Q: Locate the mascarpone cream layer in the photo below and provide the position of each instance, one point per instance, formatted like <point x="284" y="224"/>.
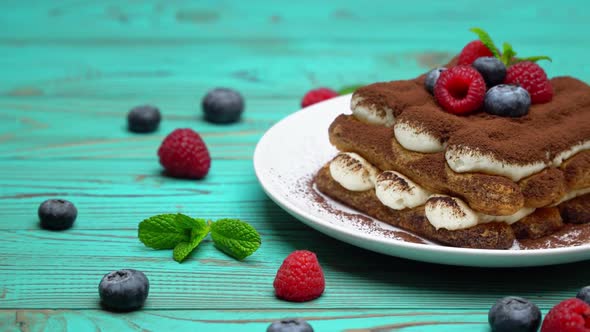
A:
<point x="353" y="172"/>
<point x="398" y="192"/>
<point x="461" y="159"/>
<point x="452" y="213"/>
<point x="370" y="113"/>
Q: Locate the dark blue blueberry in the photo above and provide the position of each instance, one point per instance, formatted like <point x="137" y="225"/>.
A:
<point x="507" y="100"/>
<point x="143" y="119"/>
<point x="431" y="78"/>
<point x="514" y="314"/>
<point x="290" y="325"/>
<point x="584" y="294"/>
<point x="57" y="214"/>
<point x="123" y="290"/>
<point x="223" y="105"/>
<point x="492" y="70"/>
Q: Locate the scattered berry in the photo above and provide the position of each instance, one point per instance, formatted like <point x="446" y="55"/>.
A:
<point x="57" y="214"/>
<point x="223" y="105"/>
<point x="507" y="100"/>
<point x="584" y="294"/>
<point x="290" y="325"/>
<point x="491" y="69"/>
<point x="143" y="119"/>
<point x="514" y="314"/>
<point x="123" y="290"/>
<point x="571" y="315"/>
<point x="317" y="95"/>
<point x="533" y="78"/>
<point x="432" y="77"/>
<point x="472" y="51"/>
<point x="300" y="278"/>
<point x="460" y="90"/>
<point x="184" y="154"/>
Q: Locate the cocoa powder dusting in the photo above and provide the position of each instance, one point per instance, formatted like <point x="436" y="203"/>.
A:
<point x="308" y="187"/>
<point x="394" y="181"/>
<point x="450" y="203"/>
<point x="545" y="131"/>
<point x="570" y="235"/>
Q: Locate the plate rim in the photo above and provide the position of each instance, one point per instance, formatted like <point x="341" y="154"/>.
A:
<point x="315" y="221"/>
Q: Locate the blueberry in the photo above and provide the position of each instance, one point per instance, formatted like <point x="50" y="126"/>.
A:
<point x="123" y="290"/>
<point x="514" y="314"/>
<point x="507" y="100"/>
<point x="584" y="294"/>
<point x="290" y="325"/>
<point x="223" y="105"/>
<point x="143" y="119"/>
<point x="57" y="214"/>
<point x="492" y="70"/>
<point x="431" y="78"/>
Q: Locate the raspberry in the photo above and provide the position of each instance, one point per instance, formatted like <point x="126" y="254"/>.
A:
<point x="472" y="51"/>
<point x="300" y="278"/>
<point x="532" y="78"/>
<point x="184" y="154"/>
<point x="460" y="90"/>
<point x="317" y="95"/>
<point x="571" y="315"/>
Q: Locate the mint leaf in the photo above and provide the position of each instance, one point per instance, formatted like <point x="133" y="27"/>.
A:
<point x="165" y="231"/>
<point x="535" y="58"/>
<point x="349" y="89"/>
<point x="198" y="233"/>
<point x="235" y="237"/>
<point x="508" y="54"/>
<point x="486" y="40"/>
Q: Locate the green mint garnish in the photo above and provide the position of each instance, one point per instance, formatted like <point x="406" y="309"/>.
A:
<point x="486" y="40"/>
<point x="198" y="233"/>
<point x="349" y="89"/>
<point x="184" y="234"/>
<point x="535" y="58"/>
<point x="165" y="231"/>
<point x="235" y="237"/>
<point x="508" y="56"/>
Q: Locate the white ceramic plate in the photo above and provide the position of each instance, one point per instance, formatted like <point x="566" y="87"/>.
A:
<point x="292" y="151"/>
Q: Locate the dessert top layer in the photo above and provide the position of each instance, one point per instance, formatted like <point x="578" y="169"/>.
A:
<point x="547" y="131"/>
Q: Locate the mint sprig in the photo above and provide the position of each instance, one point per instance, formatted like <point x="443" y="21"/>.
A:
<point x="184" y="234"/>
<point x="185" y="248"/>
<point x="235" y="237"/>
<point x="535" y="58"/>
<point x="165" y="231"/>
<point x="508" y="56"/>
<point x="485" y="38"/>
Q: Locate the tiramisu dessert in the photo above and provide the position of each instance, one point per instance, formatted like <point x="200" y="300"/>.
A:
<point x="475" y="154"/>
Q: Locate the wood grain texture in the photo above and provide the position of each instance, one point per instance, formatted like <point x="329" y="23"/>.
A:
<point x="244" y="320"/>
<point x="72" y="69"/>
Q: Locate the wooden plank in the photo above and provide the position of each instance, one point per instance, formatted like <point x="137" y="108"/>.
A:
<point x="244" y="320"/>
<point x="52" y="22"/>
<point x="61" y="270"/>
<point x="132" y="189"/>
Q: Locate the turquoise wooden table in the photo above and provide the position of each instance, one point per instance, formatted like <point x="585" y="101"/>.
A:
<point x="72" y="69"/>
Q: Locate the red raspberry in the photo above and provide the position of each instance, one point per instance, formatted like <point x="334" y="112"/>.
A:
<point x="317" y="95"/>
<point x="472" y="51"/>
<point x="532" y="78"/>
<point x="184" y="154"/>
<point x="460" y="90"/>
<point x="300" y="278"/>
<point x="571" y="315"/>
